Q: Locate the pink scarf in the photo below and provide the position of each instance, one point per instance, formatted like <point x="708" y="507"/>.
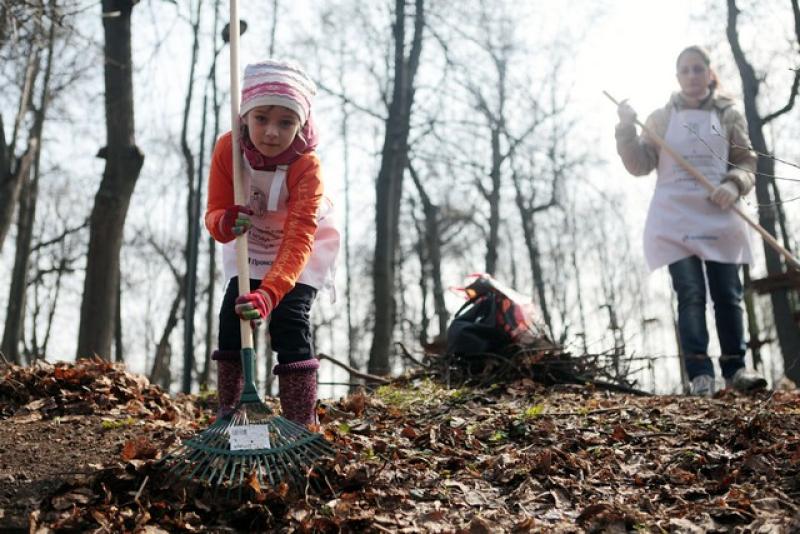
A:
<point x="302" y="144"/>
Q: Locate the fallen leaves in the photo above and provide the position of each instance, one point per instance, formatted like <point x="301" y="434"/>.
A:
<point x="87" y="387"/>
<point x="139" y="448"/>
<point x="419" y="457"/>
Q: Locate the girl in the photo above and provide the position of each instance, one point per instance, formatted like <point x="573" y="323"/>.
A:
<point x="292" y="239"/>
<point x="687" y="229"/>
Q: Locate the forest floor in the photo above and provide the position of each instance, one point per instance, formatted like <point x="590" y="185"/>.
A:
<point x="78" y="444"/>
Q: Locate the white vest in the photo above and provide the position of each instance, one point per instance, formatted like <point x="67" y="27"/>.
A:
<point x="267" y="198"/>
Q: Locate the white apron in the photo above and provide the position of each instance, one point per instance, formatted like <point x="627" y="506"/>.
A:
<point x="267" y="198"/>
<point x="682" y="221"/>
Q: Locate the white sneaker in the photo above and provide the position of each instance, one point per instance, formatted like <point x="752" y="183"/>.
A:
<point x="702" y="386"/>
<point x="745" y="380"/>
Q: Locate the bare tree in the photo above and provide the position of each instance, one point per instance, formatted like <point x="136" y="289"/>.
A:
<point x="347" y="230"/>
<point x="216" y="105"/>
<point x="161" y="371"/>
<point x="528" y="208"/>
<point x="572" y="232"/>
<point x="498" y="101"/>
<point x="14" y="169"/>
<point x="194" y="182"/>
<point x="124" y="161"/>
<point x="389" y="184"/>
<point x="549" y="165"/>
<point x="52" y="261"/>
<point x="27" y="212"/>
<point x="785" y="323"/>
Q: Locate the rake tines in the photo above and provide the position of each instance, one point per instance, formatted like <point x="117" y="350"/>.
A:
<point x="252" y="445"/>
<point x="210" y="459"/>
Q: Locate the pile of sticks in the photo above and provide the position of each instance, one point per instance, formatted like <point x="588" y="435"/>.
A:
<point x="544" y="363"/>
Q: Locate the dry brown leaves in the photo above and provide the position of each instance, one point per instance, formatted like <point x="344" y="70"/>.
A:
<point x="89" y="386"/>
<point x="516" y="457"/>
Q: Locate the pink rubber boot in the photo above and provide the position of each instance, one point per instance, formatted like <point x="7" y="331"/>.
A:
<point x="230" y="381"/>
<point x="297" y="389"/>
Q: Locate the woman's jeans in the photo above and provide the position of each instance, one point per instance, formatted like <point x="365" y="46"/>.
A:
<point x="726" y="292"/>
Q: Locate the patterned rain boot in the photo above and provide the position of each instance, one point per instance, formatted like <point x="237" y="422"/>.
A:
<point x="297" y="389"/>
<point x="230" y="380"/>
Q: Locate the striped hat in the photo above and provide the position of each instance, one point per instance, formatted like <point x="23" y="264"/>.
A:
<point x="277" y="83"/>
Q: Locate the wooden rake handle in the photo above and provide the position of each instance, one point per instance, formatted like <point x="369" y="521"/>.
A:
<point x="691" y="169"/>
<point x="242" y="265"/>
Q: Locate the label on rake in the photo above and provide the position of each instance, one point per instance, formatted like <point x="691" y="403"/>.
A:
<point x="249" y="437"/>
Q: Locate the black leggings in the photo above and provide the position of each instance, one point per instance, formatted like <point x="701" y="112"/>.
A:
<point x="289" y="323"/>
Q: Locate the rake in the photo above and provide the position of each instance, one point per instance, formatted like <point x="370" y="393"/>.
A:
<point x="253" y="444"/>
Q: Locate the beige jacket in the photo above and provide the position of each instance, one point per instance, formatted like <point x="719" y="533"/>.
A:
<point x="640" y="153"/>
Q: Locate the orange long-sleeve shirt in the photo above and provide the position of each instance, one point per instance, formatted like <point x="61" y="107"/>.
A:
<point x="305" y="188"/>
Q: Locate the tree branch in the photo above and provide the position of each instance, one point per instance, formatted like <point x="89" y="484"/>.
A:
<point x="63" y="235"/>
<point x="166" y="257"/>
<point x="354" y="372"/>
<point x="790" y="104"/>
<point x="404" y="351"/>
<point x="347" y="100"/>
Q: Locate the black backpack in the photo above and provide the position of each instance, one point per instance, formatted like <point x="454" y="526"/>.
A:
<point x="474" y="329"/>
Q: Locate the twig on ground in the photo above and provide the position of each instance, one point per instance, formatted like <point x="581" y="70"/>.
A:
<point x="354" y="372"/>
<point x="141" y="488"/>
<point x="590" y="412"/>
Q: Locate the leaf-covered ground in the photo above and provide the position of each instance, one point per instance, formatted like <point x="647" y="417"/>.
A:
<point x="79" y="442"/>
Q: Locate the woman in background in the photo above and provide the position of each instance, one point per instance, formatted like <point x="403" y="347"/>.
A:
<point x="695" y="234"/>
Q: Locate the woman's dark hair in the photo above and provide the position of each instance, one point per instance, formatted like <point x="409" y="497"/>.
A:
<point x="706" y="57"/>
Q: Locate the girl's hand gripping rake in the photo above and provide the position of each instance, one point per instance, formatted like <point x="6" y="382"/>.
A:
<point x="253" y="442"/>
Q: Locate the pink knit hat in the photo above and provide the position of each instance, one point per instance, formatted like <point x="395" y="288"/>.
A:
<point x="277" y="83"/>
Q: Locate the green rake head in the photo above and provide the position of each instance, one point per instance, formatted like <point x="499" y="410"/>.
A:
<point x="253" y="444"/>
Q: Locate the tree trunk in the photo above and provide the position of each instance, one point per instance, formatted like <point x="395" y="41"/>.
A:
<point x="433" y="253"/>
<point x="537" y="274"/>
<point x="15" y="310"/>
<point x="14" y="171"/>
<point x="753" y="329"/>
<point x="348" y="263"/>
<point x="212" y="245"/>
<point x="493" y="243"/>
<point x="161" y="373"/>
<point x="527" y="212"/>
<point x="62" y="269"/>
<point x="204" y="373"/>
<point x="205" y="377"/>
<point x="532" y="244"/>
<point x="119" y="354"/>
<point x="785" y="324"/>
<point x="194" y="182"/>
<point x="123" y="163"/>
<point x="389" y="185"/>
<point x="573" y="231"/>
<point x="12" y="332"/>
<point x="424" y="321"/>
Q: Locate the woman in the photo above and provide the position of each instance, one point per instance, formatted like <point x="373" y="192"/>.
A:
<point x="690" y="230"/>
